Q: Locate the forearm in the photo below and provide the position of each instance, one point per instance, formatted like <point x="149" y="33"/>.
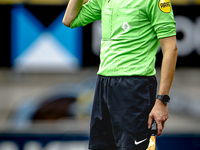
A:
<point x="170" y="53"/>
<point x="73" y="9"/>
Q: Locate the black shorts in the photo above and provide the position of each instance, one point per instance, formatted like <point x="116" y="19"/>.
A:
<point x="120" y="112"/>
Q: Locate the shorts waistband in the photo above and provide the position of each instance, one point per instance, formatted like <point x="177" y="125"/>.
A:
<point x="136" y="76"/>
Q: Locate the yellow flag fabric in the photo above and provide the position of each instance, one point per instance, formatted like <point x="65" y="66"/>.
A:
<point x="152" y="143"/>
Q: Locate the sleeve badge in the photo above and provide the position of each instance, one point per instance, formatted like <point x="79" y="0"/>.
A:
<point x="165" y="6"/>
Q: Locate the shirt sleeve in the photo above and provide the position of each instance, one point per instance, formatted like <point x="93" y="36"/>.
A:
<point x="90" y="12"/>
<point x="161" y="16"/>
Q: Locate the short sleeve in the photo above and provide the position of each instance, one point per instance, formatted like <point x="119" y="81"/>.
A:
<point x="161" y="16"/>
<point x="90" y="12"/>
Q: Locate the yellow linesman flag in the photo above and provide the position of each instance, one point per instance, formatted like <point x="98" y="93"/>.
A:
<point x="152" y="143"/>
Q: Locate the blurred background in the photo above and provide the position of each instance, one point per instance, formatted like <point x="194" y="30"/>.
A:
<point x="48" y="73"/>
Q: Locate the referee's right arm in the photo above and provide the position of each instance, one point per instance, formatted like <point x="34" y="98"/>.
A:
<point x="72" y="11"/>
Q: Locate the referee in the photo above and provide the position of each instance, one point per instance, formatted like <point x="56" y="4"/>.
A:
<point x="125" y="101"/>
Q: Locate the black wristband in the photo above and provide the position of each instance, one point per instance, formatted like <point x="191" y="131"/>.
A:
<point x="164" y="98"/>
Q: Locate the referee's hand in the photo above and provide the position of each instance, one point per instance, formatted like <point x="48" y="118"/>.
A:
<point x="160" y="114"/>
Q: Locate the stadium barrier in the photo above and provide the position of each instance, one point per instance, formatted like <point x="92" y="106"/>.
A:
<point x="30" y="141"/>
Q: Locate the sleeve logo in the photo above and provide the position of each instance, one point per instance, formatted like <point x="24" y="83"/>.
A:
<point x="165" y="6"/>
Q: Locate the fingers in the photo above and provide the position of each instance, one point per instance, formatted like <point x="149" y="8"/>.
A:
<point x="159" y="127"/>
<point x="160" y="124"/>
<point x="150" y="121"/>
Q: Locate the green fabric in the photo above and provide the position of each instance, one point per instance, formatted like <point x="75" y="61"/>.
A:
<point x="130" y="33"/>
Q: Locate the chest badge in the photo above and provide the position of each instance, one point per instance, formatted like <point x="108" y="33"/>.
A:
<point x="165" y="6"/>
<point x="126" y="26"/>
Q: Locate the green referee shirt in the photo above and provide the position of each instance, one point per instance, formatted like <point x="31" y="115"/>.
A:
<point x="130" y="33"/>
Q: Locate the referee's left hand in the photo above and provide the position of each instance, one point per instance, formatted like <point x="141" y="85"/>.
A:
<point x="160" y="114"/>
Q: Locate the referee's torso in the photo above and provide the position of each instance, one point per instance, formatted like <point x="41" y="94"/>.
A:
<point x="129" y="40"/>
<point x="131" y="30"/>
